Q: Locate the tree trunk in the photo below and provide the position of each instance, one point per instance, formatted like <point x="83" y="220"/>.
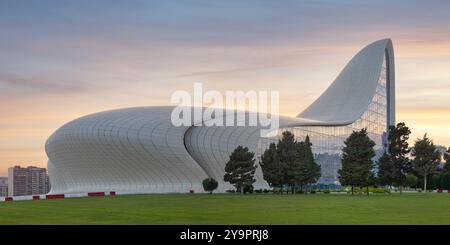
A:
<point x="400" y="188"/>
<point x="367" y="189"/>
<point x="242" y="190"/>
<point x="425" y="183"/>
<point x="352" y="190"/>
<point x="360" y="190"/>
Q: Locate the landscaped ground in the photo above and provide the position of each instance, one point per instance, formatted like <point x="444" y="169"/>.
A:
<point x="428" y="208"/>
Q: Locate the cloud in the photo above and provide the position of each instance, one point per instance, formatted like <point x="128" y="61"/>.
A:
<point x="18" y="82"/>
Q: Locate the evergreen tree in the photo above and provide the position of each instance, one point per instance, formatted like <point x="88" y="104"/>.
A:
<point x="272" y="172"/>
<point x="357" y="157"/>
<point x="210" y="184"/>
<point x="290" y="163"/>
<point x="447" y="161"/>
<point x="240" y="169"/>
<point x="426" y="158"/>
<point x="398" y="151"/>
<point x="386" y="171"/>
<point x="314" y="169"/>
<point x="297" y="171"/>
<point x="287" y="157"/>
<point x="445" y="181"/>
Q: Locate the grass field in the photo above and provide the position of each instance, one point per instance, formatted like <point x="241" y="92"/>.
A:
<point x="232" y="209"/>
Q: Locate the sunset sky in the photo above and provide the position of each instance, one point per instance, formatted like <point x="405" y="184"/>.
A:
<point x="63" y="59"/>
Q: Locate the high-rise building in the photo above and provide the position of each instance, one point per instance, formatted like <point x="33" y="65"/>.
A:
<point x="27" y="181"/>
<point x="3" y="186"/>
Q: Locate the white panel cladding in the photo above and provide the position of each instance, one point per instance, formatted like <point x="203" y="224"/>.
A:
<point x="134" y="150"/>
<point x="349" y="96"/>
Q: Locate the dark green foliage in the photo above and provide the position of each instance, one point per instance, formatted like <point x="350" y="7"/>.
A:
<point x="398" y="151"/>
<point x="386" y="170"/>
<point x="272" y="169"/>
<point x="357" y="157"/>
<point x="290" y="163"/>
<point x="210" y="184"/>
<point x="313" y="168"/>
<point x="445" y="181"/>
<point x="426" y="158"/>
<point x="434" y="182"/>
<point x="447" y="161"/>
<point x="240" y="169"/>
<point x="411" y="180"/>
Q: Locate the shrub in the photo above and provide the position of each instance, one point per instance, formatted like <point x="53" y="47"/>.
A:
<point x="326" y="191"/>
<point x="312" y="192"/>
<point x="230" y="191"/>
<point x="209" y="185"/>
<point x="259" y="191"/>
<point x="248" y="189"/>
<point x="300" y="192"/>
<point x="266" y="191"/>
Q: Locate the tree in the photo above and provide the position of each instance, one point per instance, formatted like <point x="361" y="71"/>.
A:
<point x="290" y="163"/>
<point x="270" y="164"/>
<point x="287" y="150"/>
<point x="411" y="180"/>
<point x="210" y="184"/>
<point x="426" y="158"/>
<point x="357" y="157"/>
<point x="313" y="169"/>
<point x="398" y="151"/>
<point x="447" y="161"/>
<point x="240" y="169"/>
<point x="445" y="181"/>
<point x="386" y="171"/>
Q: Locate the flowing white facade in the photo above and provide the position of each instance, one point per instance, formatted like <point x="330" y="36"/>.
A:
<point x="138" y="150"/>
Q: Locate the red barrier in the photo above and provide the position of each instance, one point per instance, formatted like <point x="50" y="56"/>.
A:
<point x="54" y="196"/>
<point x="439" y="191"/>
<point x="112" y="193"/>
<point x="8" y="199"/>
<point x="36" y="198"/>
<point x="96" y="194"/>
<point x="448" y="191"/>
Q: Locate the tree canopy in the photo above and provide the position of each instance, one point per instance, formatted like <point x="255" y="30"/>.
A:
<point x="426" y="158"/>
<point x="240" y="169"/>
<point x="290" y="163"/>
<point x="357" y="157"/>
<point x="209" y="185"/>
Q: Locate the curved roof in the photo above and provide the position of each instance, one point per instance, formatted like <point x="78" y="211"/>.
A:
<point x="132" y="150"/>
<point x="349" y="96"/>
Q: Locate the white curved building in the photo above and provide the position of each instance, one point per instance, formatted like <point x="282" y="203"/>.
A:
<point x="138" y="150"/>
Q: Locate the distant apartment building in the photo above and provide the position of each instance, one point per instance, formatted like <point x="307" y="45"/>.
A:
<point x="3" y="186"/>
<point x="27" y="181"/>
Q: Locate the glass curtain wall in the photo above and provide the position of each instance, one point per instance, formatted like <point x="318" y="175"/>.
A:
<point x="328" y="141"/>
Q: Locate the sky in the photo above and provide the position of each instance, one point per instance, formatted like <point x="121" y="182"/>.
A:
<point x="60" y="60"/>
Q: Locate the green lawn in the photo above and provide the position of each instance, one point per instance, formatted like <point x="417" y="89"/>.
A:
<point x="233" y="209"/>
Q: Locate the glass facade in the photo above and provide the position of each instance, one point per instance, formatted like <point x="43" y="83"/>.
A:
<point x="328" y="141"/>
